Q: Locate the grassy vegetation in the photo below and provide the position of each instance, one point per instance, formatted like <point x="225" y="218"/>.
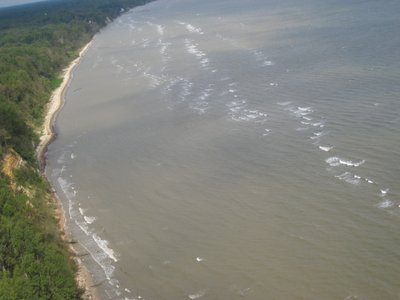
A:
<point x="36" y="43"/>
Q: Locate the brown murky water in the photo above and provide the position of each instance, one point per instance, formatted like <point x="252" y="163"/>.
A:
<point x="237" y="149"/>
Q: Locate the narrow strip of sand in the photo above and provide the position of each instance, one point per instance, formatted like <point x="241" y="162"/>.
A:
<point x="83" y="277"/>
<point x="53" y="107"/>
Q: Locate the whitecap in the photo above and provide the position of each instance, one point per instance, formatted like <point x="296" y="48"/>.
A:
<point x="336" y="161"/>
<point x="197" y="295"/>
<point x="325" y="148"/>
<point x="304" y="108"/>
<point x="384" y="192"/>
<point x="318" y="124"/>
<point x="267" y="132"/>
<point x="199" y="259"/>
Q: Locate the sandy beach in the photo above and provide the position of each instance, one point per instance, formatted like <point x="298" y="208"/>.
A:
<point x="53" y="107"/>
<point x="83" y="277"/>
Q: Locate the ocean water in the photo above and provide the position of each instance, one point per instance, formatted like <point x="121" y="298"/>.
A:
<point x="237" y="150"/>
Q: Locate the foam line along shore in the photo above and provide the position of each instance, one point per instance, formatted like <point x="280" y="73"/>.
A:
<point x="48" y="135"/>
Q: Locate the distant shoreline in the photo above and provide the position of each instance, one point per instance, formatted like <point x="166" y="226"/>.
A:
<point x="48" y="135"/>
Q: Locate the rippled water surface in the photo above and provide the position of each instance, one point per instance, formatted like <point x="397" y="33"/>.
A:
<point x="234" y="149"/>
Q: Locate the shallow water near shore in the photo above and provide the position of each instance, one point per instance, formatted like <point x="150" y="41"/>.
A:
<point x="229" y="150"/>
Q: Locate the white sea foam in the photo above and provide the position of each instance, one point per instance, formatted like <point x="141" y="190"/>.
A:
<point x="197" y="295"/>
<point x="66" y="187"/>
<point x="240" y="114"/>
<point x="238" y="103"/>
<point x="320" y="124"/>
<point x="267" y="132"/>
<point x="349" y="178"/>
<point x="83" y="226"/>
<point x="89" y="220"/>
<point x="100" y="257"/>
<point x="333" y="161"/>
<point x="103" y="244"/>
<point x="286" y="103"/>
<point x="325" y="148"/>
<point x="385" y="204"/>
<point x="305" y="108"/>
<point x="300" y="112"/>
<point x="336" y="161"/>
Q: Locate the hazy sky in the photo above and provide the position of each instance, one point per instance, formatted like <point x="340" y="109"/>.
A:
<point x="4" y="3"/>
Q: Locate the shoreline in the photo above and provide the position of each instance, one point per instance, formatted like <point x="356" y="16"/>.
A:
<point x="48" y="134"/>
<point x="53" y="107"/>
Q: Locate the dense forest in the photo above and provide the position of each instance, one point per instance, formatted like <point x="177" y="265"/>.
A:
<point x="36" y="42"/>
